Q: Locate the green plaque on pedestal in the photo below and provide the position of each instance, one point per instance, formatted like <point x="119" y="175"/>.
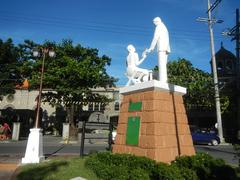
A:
<point x="132" y="136"/>
<point x="135" y="106"/>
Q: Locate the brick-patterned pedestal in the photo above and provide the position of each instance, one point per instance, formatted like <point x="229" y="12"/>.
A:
<point x="164" y="132"/>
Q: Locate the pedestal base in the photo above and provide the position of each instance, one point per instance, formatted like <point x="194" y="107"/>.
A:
<point x="34" y="150"/>
<point x="16" y="131"/>
<point x="153" y="122"/>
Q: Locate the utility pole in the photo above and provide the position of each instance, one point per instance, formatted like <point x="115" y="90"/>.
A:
<point x="234" y="32"/>
<point x="214" y="67"/>
<point x="237" y="38"/>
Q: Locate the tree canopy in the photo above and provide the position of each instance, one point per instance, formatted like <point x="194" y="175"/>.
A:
<point x="9" y="67"/>
<point x="69" y="77"/>
<point x="199" y="84"/>
<point x="71" y="74"/>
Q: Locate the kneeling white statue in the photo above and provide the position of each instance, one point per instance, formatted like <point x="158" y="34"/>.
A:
<point x="134" y="73"/>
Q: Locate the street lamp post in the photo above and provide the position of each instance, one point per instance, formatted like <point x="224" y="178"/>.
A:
<point x="34" y="150"/>
<point x="44" y="52"/>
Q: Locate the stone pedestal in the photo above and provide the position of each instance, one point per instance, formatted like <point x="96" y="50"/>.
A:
<point x="153" y="122"/>
<point x="16" y="131"/>
<point x="34" y="150"/>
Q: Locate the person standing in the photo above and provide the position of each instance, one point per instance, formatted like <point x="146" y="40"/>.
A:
<point x="6" y="130"/>
<point x="161" y="42"/>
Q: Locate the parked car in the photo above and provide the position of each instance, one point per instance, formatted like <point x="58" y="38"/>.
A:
<point x="114" y="134"/>
<point x="205" y="137"/>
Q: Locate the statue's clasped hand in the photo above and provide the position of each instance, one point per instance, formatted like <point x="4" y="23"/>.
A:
<point x="144" y="54"/>
<point x="148" y="50"/>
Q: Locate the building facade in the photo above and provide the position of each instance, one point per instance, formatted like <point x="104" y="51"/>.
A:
<point x="21" y="107"/>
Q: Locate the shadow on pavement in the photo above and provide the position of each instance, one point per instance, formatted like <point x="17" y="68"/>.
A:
<point x="219" y="150"/>
<point x="39" y="172"/>
<point x="53" y="153"/>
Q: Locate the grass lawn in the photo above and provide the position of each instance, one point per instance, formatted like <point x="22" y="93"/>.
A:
<point x="58" y="168"/>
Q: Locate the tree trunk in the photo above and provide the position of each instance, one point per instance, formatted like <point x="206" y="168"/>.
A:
<point x="73" y="130"/>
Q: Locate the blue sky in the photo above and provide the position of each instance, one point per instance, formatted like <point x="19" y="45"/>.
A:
<point x="110" y="25"/>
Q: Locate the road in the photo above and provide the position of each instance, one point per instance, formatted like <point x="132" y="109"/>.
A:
<point x="51" y="146"/>
<point x="52" y="149"/>
<point x="54" y="146"/>
<point x="224" y="152"/>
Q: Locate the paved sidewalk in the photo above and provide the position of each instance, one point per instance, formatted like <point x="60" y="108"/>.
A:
<point x="10" y="161"/>
<point x="8" y="166"/>
<point x="7" y="171"/>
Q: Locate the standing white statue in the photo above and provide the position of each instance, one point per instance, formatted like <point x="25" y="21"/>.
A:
<point x="161" y="40"/>
<point x="134" y="73"/>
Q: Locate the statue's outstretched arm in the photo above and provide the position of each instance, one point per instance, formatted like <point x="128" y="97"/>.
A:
<point x="154" y="41"/>
<point x="144" y="55"/>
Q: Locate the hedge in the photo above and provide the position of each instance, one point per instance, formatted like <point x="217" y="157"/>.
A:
<point x="206" y="167"/>
<point x="110" y="166"/>
<point x="201" y="166"/>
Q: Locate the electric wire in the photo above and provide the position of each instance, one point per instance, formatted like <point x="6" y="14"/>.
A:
<point x="100" y="26"/>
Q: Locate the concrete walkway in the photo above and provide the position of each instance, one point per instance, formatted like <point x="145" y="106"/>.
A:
<point x="8" y="167"/>
<point x="7" y="171"/>
<point x="9" y="163"/>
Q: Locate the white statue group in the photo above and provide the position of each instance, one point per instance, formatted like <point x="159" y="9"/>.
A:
<point x="161" y="42"/>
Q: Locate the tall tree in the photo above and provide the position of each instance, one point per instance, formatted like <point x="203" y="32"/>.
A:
<point x="197" y="82"/>
<point x="71" y="75"/>
<point x="199" y="85"/>
<point x="9" y="67"/>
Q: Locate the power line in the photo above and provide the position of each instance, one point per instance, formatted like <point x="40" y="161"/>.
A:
<point x="107" y="27"/>
<point x="214" y="5"/>
<point x="187" y="35"/>
<point x="37" y="18"/>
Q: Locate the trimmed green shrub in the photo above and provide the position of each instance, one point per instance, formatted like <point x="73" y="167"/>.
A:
<point x="139" y="174"/>
<point x="222" y="172"/>
<point x="206" y="167"/>
<point x="202" y="166"/>
<point x="120" y="166"/>
<point x="186" y="173"/>
<point x="198" y="163"/>
<point x="165" y="171"/>
<point x="126" y="160"/>
<point x="126" y="166"/>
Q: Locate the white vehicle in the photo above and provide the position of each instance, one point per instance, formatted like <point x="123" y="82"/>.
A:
<point x="114" y="134"/>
